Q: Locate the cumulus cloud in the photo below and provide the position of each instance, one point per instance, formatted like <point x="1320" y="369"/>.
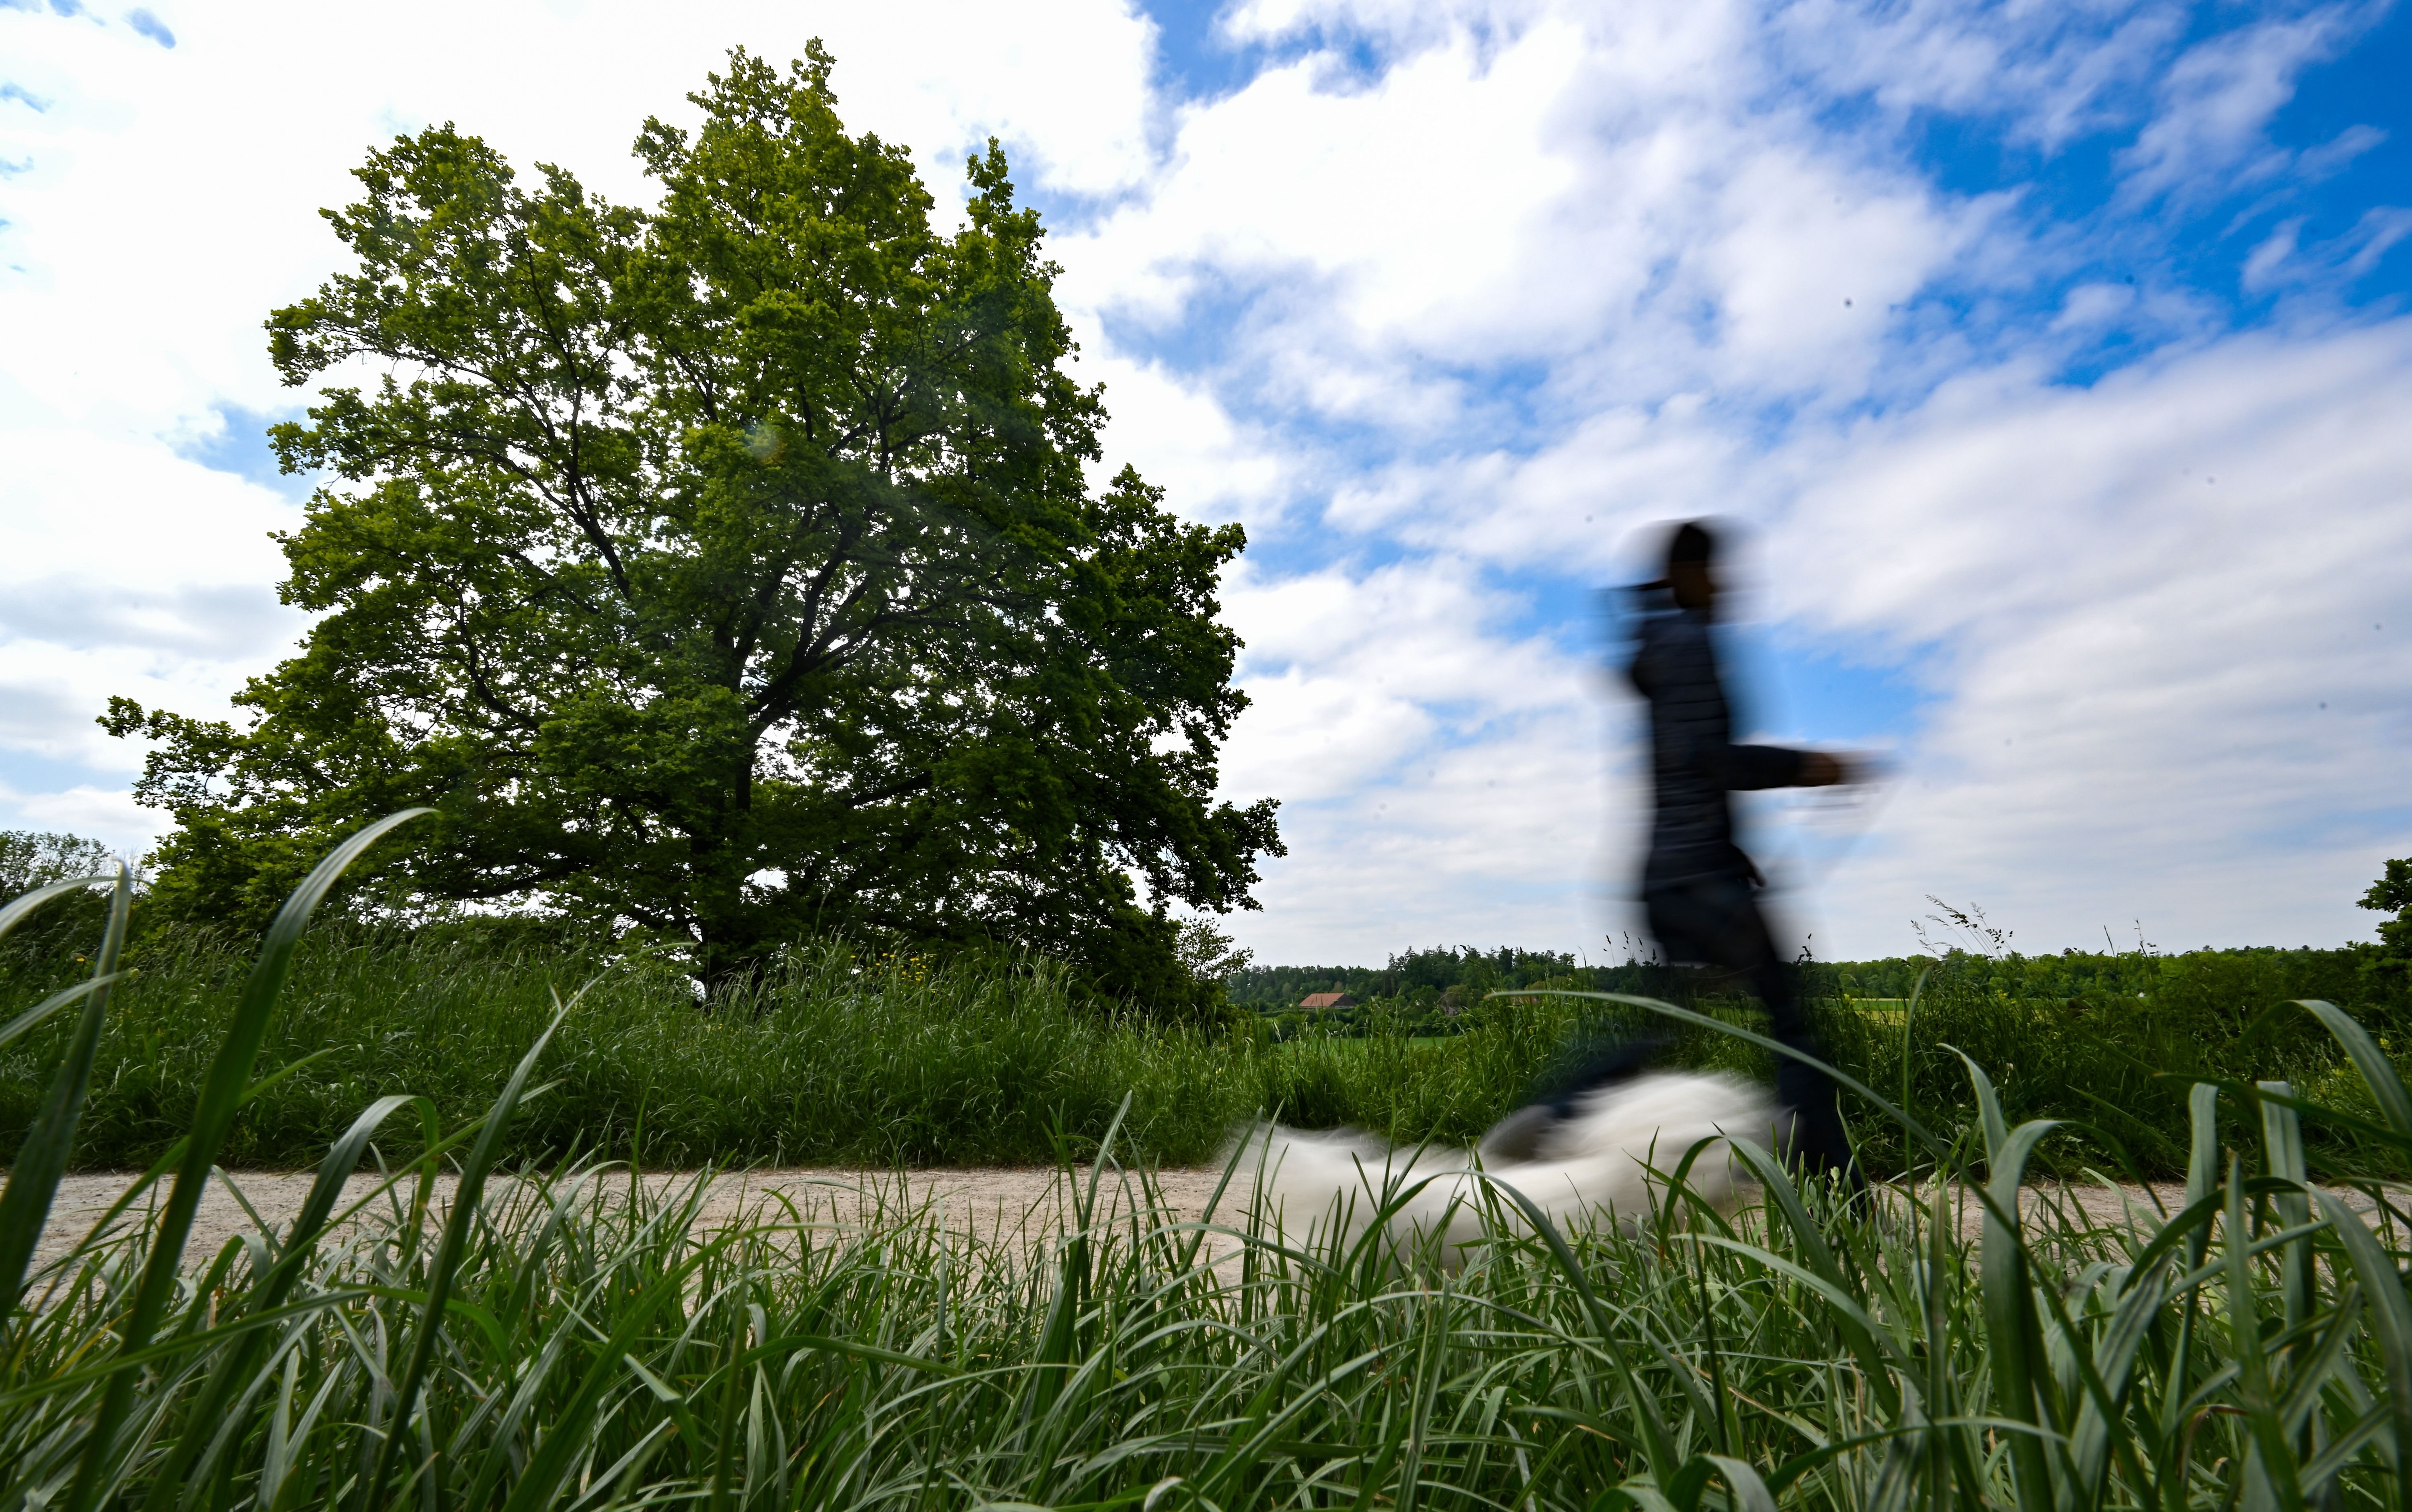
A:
<point x="2211" y="130"/>
<point x="108" y="814"/>
<point x="1440" y="772"/>
<point x="151" y="26"/>
<point x="167" y="199"/>
<point x="2174" y="638"/>
<point x="1180" y="437"/>
<point x="2051" y="73"/>
<point x="1446" y="302"/>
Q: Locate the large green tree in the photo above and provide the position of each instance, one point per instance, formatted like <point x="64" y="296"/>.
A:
<point x="2390" y="959"/>
<point x="727" y="570"/>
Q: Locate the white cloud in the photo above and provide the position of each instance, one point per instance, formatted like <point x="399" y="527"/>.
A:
<point x="107" y="814"/>
<point x="2056" y="72"/>
<point x="1182" y="440"/>
<point x="169" y="198"/>
<point x="2211" y="129"/>
<point x="1444" y="332"/>
<point x="1440" y="772"/>
<point x="2161" y="603"/>
<point x="2282" y="262"/>
<point x="1408" y="206"/>
<point x="1606" y="208"/>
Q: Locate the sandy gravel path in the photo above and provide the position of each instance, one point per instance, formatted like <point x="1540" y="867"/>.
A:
<point x="994" y="1205"/>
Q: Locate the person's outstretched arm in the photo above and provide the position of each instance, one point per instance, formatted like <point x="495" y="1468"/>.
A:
<point x="1678" y="672"/>
<point x="1746" y="768"/>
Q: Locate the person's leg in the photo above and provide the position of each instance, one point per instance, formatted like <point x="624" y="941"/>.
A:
<point x="1718" y="922"/>
<point x="1819" y="1144"/>
<point x="1587" y="1063"/>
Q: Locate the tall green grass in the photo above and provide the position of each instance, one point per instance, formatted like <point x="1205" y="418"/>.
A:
<point x="834" y="1057"/>
<point x="830" y="1057"/>
<point x="2117" y="1073"/>
<point x="579" y="1339"/>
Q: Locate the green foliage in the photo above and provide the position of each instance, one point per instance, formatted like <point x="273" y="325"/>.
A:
<point x="32" y="858"/>
<point x="2391" y="959"/>
<point x="2107" y="1044"/>
<point x="727" y="569"/>
<point x="838" y="1053"/>
<point x="578" y="1337"/>
<point x="1420" y="976"/>
<point x="828" y="1056"/>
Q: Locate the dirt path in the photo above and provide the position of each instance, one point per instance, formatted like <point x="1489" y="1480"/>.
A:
<point x="994" y="1205"/>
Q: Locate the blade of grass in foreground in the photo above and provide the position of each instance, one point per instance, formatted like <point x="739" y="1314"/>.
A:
<point x="234" y="1368"/>
<point x="40" y="1014"/>
<point x="467" y="1197"/>
<point x="2376" y="1071"/>
<point x="222" y="1096"/>
<point x="2391" y="1317"/>
<point x="34" y="1177"/>
<point x="20" y="907"/>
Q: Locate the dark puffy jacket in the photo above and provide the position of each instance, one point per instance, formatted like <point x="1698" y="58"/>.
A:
<point x="1693" y="760"/>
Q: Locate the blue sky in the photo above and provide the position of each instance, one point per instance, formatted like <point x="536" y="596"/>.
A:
<point x="2052" y="364"/>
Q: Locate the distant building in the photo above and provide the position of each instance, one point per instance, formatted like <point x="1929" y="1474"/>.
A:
<point x="1327" y="999"/>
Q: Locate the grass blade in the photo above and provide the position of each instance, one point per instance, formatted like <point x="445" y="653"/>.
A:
<point x="222" y="1095"/>
<point x="2267" y="1475"/>
<point x="2377" y="1072"/>
<point x="268" y="1292"/>
<point x="34" y="1017"/>
<point x="20" y="908"/>
<point x="2011" y="1325"/>
<point x="2390" y="1311"/>
<point x="42" y="1159"/>
<point x="1909" y="1017"/>
<point x="467" y="1194"/>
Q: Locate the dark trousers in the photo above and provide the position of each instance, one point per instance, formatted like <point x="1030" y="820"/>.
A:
<point x="1714" y="921"/>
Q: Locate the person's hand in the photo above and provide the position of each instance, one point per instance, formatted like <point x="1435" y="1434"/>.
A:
<point x="1848" y="768"/>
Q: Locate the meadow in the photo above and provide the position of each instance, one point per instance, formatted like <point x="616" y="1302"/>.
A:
<point x="844" y="1055"/>
<point x="577" y="1339"/>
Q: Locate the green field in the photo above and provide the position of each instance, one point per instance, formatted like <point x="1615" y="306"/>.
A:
<point x="839" y="1058"/>
<point x="575" y="1339"/>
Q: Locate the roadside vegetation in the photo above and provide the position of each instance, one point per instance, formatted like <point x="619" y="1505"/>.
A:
<point x="844" y="1052"/>
<point x="576" y="1339"/>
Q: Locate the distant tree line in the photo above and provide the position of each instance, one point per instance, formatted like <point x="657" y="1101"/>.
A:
<point x="1412" y="974"/>
<point x="1432" y="986"/>
<point x="2343" y="975"/>
<point x="2348" y="973"/>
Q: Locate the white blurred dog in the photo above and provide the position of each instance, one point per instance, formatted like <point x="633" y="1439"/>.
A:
<point x="1588" y="1163"/>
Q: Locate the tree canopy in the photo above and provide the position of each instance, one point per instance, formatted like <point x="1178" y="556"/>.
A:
<point x="726" y="568"/>
<point x="2392" y="894"/>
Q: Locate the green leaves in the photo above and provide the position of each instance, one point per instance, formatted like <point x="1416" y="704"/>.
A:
<point x="2392" y="894"/>
<point x="42" y="1158"/>
<point x="727" y="568"/>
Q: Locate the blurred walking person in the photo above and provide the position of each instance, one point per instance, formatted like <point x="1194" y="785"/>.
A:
<point x="1700" y="890"/>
